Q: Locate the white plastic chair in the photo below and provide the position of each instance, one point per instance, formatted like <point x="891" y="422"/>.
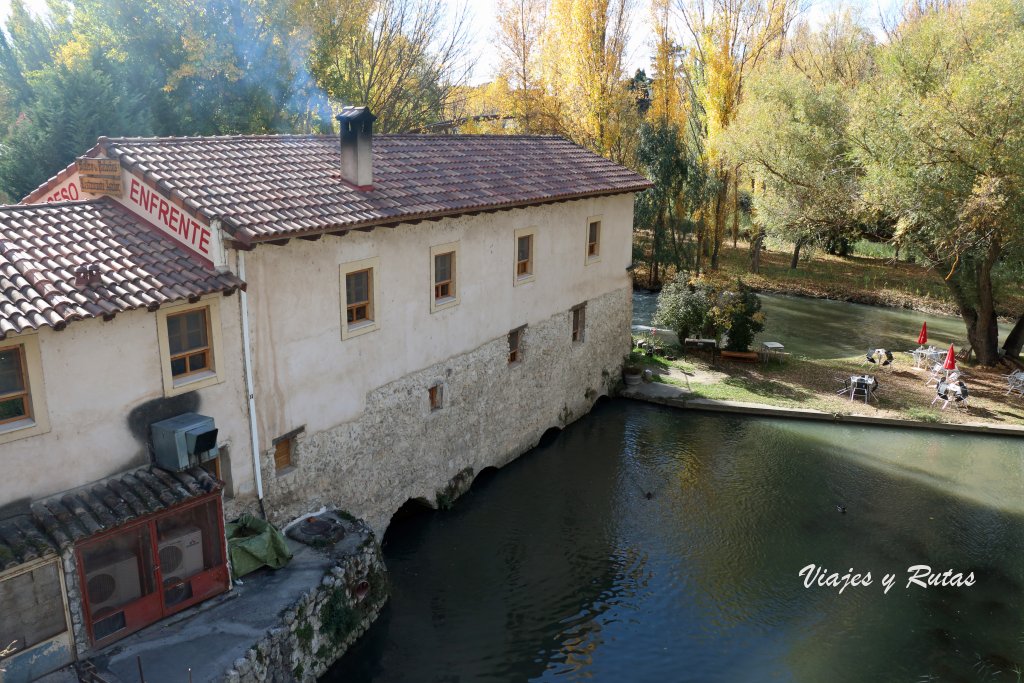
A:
<point x="938" y="375"/>
<point x="942" y="394"/>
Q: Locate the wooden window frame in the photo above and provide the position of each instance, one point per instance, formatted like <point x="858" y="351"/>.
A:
<point x="290" y="439"/>
<point x="206" y="350"/>
<point x="454" y="296"/>
<point x="435" y="396"/>
<point x="36" y="420"/>
<point x="520" y="274"/>
<point x="372" y="321"/>
<point x="213" y="374"/>
<point x="515" y="353"/>
<point x="579" y="323"/>
<point x="26" y="392"/>
<point x="592" y="249"/>
<point x="351" y="309"/>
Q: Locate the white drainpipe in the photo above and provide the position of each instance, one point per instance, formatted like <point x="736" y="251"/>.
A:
<point x="247" y="359"/>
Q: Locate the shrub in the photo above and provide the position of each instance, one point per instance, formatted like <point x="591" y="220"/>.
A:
<point x="744" y="317"/>
<point x="685" y="307"/>
<point x="694" y="308"/>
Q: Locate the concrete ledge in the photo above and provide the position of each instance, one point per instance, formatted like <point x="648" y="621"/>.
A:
<point x="677" y="397"/>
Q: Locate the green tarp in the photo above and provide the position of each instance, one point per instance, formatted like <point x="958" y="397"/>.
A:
<point x="254" y="543"/>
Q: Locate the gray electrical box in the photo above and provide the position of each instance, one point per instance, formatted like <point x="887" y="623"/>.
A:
<point x="184" y="441"/>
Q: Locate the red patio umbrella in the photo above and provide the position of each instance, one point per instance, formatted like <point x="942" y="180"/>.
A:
<point x="950" y="363"/>
<point x="922" y="338"/>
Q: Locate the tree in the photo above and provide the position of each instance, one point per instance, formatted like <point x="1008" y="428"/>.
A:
<point x="404" y="59"/>
<point x="583" y="63"/>
<point x="664" y="210"/>
<point x="519" y="33"/>
<point x="940" y="133"/>
<point x="791" y="137"/>
<point x="730" y="38"/>
<point x="75" y="106"/>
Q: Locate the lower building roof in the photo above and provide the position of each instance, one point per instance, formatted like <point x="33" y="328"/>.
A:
<point x="74" y="260"/>
<point x="57" y="522"/>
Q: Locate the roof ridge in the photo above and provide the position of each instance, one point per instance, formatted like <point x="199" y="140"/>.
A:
<point x="41" y="205"/>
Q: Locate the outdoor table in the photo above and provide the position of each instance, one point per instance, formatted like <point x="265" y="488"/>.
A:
<point x="771" y="349"/>
<point x="923" y="356"/>
<point x="1015" y="380"/>
<point x="867" y="382"/>
<point x="702" y="345"/>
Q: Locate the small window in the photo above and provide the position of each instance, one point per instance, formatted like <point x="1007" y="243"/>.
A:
<point x="22" y="394"/>
<point x="359" y="313"/>
<point x="358" y="296"/>
<point x="579" y="322"/>
<point x="524" y="256"/>
<point x="444" y="275"/>
<point x="188" y="340"/>
<point x="283" y="454"/>
<point x="525" y="244"/>
<point x="444" y="266"/>
<point x="15" y="399"/>
<point x="593" y="239"/>
<point x="436" y="396"/>
<point x="515" y="343"/>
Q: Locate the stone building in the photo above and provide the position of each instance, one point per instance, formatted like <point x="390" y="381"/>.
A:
<point x="349" y="323"/>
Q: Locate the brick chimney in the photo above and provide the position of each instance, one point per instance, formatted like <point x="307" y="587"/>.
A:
<point x="357" y="146"/>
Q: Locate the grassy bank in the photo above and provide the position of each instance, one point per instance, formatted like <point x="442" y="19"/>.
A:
<point x="860" y="279"/>
<point x="812" y="384"/>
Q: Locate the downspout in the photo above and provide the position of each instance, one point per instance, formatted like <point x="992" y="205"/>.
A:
<point x="247" y="361"/>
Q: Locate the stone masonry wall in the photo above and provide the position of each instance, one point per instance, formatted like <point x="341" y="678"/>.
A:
<point x="399" y="449"/>
<point x="318" y="629"/>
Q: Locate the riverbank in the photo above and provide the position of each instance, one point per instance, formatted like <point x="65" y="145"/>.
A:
<point x="812" y="384"/>
<point x="855" y="279"/>
<point x="679" y="397"/>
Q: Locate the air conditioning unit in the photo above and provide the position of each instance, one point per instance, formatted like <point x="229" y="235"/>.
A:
<point x="184" y="441"/>
<point x="113" y="584"/>
<point x="181" y="557"/>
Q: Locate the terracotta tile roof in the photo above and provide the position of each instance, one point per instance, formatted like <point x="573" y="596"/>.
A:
<point x="264" y="188"/>
<point x="58" y="521"/>
<point x="43" y="245"/>
<point x="80" y="513"/>
<point x="21" y="541"/>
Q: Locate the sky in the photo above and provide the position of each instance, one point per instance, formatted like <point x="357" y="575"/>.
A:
<point x="483" y="22"/>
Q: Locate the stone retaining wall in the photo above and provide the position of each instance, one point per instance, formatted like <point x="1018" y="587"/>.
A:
<point x="399" y="449"/>
<point x="317" y="630"/>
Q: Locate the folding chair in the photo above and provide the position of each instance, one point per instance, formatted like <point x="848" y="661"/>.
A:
<point x="887" y="363"/>
<point x="869" y="358"/>
<point x="960" y="397"/>
<point x="860" y="388"/>
<point x="942" y="394"/>
<point x="938" y="375"/>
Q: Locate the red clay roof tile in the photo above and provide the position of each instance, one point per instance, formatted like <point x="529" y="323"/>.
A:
<point x="41" y="245"/>
<point x="270" y="187"/>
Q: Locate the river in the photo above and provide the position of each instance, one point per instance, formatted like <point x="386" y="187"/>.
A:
<point x="562" y="567"/>
<point x="819" y="328"/>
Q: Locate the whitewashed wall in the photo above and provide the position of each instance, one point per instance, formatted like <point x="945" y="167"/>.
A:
<point x="95" y="374"/>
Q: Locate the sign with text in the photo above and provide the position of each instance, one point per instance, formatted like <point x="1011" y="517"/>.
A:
<point x="100" y="176"/>
<point x="69" y="190"/>
<point x="161" y="212"/>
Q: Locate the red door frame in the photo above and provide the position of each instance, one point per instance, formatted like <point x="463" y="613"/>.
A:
<point x="151" y="608"/>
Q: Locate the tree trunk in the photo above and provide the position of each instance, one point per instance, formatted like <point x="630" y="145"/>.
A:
<point x="735" y="207"/>
<point x="756" y="245"/>
<point x="980" y="317"/>
<point x="1015" y="340"/>
<point x="721" y="202"/>
<point x="796" y="253"/>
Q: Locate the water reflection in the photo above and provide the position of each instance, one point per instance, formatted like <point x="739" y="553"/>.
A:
<point x="818" y="328"/>
<point x="562" y="567"/>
